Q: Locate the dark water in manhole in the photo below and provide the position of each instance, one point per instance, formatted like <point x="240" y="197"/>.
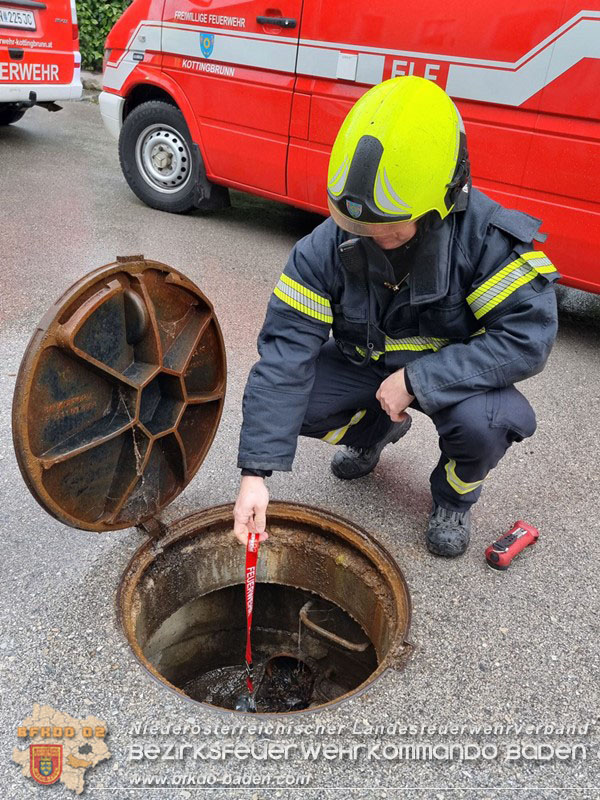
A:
<point x="200" y="649"/>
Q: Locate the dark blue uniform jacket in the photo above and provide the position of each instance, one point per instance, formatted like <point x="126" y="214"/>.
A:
<point x="477" y="312"/>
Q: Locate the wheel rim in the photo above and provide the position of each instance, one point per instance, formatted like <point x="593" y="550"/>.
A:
<point x="163" y="158"/>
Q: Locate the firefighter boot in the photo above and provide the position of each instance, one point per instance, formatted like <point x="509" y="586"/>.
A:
<point x="355" y="462"/>
<point x="448" y="532"/>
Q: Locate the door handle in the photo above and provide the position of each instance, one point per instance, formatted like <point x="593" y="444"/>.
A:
<point x="282" y="22"/>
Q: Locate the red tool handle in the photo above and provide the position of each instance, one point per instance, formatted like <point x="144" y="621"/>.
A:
<point x="251" y="559"/>
<point x="500" y="554"/>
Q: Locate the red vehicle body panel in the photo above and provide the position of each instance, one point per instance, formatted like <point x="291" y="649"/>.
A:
<point x="264" y="102"/>
<point x="44" y="59"/>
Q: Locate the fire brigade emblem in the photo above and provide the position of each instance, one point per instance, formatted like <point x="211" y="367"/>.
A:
<point x="207" y="42"/>
<point x="354" y="209"/>
<point x="45" y="762"/>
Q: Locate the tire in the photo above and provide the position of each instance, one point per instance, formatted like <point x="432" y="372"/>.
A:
<point x="10" y="112"/>
<point x="160" y="162"/>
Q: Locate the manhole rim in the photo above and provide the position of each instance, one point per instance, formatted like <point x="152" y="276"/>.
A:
<point x="188" y="527"/>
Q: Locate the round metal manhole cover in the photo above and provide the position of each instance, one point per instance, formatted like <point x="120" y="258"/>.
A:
<point x="119" y="395"/>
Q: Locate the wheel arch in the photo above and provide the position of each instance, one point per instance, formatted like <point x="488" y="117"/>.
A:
<point x="147" y="86"/>
<point x="142" y="93"/>
<point x="208" y="196"/>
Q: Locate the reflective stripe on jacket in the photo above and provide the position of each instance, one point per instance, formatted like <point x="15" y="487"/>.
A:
<point x="477" y="312"/>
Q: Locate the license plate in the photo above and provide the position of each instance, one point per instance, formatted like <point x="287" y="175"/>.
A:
<point x="15" y="18"/>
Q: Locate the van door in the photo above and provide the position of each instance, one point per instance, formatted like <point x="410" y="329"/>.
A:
<point x="460" y="46"/>
<point x="38" y="49"/>
<point x="562" y="180"/>
<point x="235" y="61"/>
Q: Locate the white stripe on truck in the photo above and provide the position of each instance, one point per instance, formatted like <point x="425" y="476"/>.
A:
<point x="510" y="86"/>
<point x="504" y="82"/>
<point x="239" y="50"/>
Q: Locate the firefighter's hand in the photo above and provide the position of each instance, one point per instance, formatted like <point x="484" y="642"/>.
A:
<point x="393" y="397"/>
<point x="250" y="511"/>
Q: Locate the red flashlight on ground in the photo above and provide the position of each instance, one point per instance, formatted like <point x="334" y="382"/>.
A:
<point x="500" y="554"/>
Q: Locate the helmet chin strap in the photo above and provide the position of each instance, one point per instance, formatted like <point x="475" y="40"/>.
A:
<point x="462" y="173"/>
<point x="353" y="258"/>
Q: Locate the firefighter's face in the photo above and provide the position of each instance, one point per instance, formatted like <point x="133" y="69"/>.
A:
<point x="401" y="234"/>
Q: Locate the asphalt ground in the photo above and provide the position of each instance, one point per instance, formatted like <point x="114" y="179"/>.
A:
<point x="501" y="649"/>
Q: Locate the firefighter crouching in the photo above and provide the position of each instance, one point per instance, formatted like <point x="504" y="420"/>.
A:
<point x="437" y="299"/>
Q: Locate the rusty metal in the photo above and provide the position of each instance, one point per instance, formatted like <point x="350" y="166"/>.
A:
<point x="164" y="597"/>
<point x="119" y="395"/>
<point x="333" y="637"/>
<point x="153" y="527"/>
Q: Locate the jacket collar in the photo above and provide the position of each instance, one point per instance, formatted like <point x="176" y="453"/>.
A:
<point x="430" y="271"/>
<point x="429" y="259"/>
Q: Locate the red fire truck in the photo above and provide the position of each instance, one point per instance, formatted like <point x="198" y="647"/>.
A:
<point x="39" y="56"/>
<point x="209" y="94"/>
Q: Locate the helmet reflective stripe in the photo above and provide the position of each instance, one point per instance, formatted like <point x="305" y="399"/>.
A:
<point x="338" y="181"/>
<point x="391" y="191"/>
<point x="363" y="185"/>
<point x="388" y="202"/>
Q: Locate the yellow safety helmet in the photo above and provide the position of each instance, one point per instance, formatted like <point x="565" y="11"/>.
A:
<point x="400" y="153"/>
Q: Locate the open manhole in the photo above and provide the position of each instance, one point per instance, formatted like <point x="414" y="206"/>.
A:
<point x="331" y="610"/>
<point x="117" y="402"/>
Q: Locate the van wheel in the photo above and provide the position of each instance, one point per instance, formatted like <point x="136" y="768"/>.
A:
<point x="160" y="162"/>
<point x="10" y="112"/>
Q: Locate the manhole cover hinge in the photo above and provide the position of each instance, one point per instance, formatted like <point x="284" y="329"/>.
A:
<point x="153" y="527"/>
<point x="129" y="259"/>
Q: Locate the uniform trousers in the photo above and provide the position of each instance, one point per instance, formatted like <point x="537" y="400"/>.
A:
<point x="474" y="434"/>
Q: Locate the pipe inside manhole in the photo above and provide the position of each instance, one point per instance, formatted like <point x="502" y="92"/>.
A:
<point x="331" y="610"/>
